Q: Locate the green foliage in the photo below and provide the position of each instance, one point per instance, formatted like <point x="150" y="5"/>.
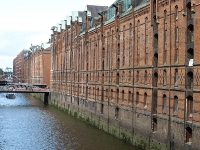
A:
<point x="125" y="137"/>
<point x="155" y="147"/>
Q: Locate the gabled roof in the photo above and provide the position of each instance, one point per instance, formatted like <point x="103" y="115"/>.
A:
<point x="82" y="15"/>
<point x="94" y="9"/>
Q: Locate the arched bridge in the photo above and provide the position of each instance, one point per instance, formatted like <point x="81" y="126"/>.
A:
<point x="6" y="87"/>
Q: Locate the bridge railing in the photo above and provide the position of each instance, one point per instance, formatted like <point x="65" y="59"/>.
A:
<point x="24" y="88"/>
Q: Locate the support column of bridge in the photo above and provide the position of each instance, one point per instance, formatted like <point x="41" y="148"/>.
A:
<point x="46" y="97"/>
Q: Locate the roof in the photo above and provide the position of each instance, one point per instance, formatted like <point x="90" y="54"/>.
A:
<point x="94" y="9"/>
<point x="139" y="2"/>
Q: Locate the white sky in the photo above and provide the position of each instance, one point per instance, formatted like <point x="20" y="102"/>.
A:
<point x="26" y="22"/>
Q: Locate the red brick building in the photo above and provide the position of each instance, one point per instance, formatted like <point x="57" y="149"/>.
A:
<point x="132" y="69"/>
<point x="18" y="67"/>
<point x="37" y="64"/>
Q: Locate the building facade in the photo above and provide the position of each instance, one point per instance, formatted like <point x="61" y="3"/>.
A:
<point x="18" y="67"/>
<point x="37" y="64"/>
<point x="132" y="69"/>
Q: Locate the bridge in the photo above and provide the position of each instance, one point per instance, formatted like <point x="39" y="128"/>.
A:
<point x="6" y="87"/>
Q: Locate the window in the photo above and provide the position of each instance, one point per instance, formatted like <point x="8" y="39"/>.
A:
<point x="176" y="56"/>
<point x="102" y="106"/>
<point x="188" y="135"/>
<point x="190" y="80"/>
<point x="122" y="96"/>
<point x="164" y="103"/>
<point x="190" y="57"/>
<point x="111" y="94"/>
<point x="129" y="97"/>
<point x="176" y="12"/>
<point x="145" y="100"/>
<point x="189" y="107"/>
<point x="145" y="77"/>
<point x="190" y="34"/>
<point x="106" y="93"/>
<point x="154" y="6"/>
<point x="97" y="93"/>
<point x="176" y="77"/>
<point x="137" y="77"/>
<point x="155" y="80"/>
<point x="164" y="77"/>
<point x="129" y="77"/>
<point x="118" y="63"/>
<point x="165" y="16"/>
<point x="117" y="78"/>
<point x="116" y="112"/>
<point x="154" y="124"/>
<point x="117" y="96"/>
<point x="155" y="41"/>
<point x="189" y="12"/>
<point x="137" y="98"/>
<point x="165" y="56"/>
<point x="175" y="105"/>
<point x="176" y="32"/>
<point x="155" y="60"/>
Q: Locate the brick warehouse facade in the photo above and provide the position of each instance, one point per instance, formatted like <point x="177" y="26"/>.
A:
<point x="37" y="64"/>
<point x="132" y="70"/>
<point x="18" y="67"/>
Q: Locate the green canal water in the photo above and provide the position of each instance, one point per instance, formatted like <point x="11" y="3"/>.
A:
<point x="27" y="124"/>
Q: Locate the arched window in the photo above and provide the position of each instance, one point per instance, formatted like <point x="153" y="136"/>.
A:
<point x="190" y="80"/>
<point x="122" y="96"/>
<point x="156" y="41"/>
<point x="106" y="94"/>
<point x="189" y="107"/>
<point x="188" y="135"/>
<point x="176" y="12"/>
<point x="137" y="98"/>
<point x="190" y="56"/>
<point x="189" y="12"/>
<point x="164" y="103"/>
<point x="102" y="106"/>
<point x="155" y="79"/>
<point x="116" y="112"/>
<point x="145" y="100"/>
<point x="154" y="124"/>
<point x="117" y="96"/>
<point x="175" y="105"/>
<point x="165" y="16"/>
<point x="155" y="60"/>
<point x="190" y="34"/>
<point x="129" y="97"/>
<point x="98" y="93"/>
<point x="117" y="78"/>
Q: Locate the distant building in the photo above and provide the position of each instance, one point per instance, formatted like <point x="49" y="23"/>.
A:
<point x="1" y="71"/>
<point x="37" y="64"/>
<point x="18" y="67"/>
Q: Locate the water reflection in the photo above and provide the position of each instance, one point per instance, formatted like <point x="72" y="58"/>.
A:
<point x="25" y="123"/>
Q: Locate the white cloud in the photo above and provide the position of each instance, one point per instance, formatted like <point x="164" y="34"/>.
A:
<point x="29" y="21"/>
<point x="6" y="61"/>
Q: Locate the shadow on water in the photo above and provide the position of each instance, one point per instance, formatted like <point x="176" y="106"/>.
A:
<point x="26" y="123"/>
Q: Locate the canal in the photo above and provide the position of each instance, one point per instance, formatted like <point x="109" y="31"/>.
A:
<point x="25" y="123"/>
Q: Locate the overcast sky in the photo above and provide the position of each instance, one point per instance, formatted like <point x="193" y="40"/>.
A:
<point x="26" y="22"/>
